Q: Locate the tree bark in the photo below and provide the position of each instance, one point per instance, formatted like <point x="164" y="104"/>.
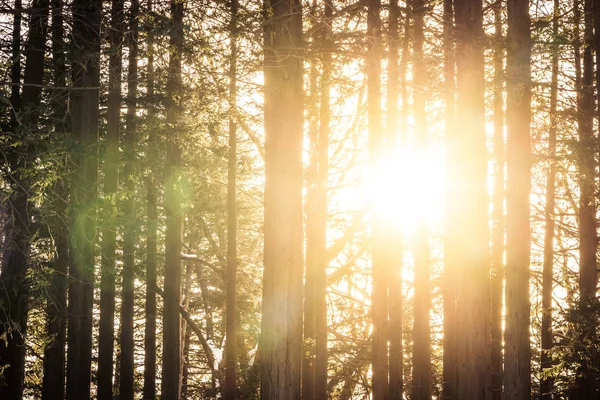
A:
<point x="172" y="282"/>
<point x="281" y="331"/>
<point x="467" y="233"/>
<point x="231" y="329"/>
<point x="149" y="390"/>
<point x="84" y="119"/>
<point x="106" y="336"/>
<point x="547" y="381"/>
<point x="14" y="289"/>
<point x="53" y="383"/>
<point x="517" y="369"/>
<point x="126" y="385"/>
<point x="498" y="221"/>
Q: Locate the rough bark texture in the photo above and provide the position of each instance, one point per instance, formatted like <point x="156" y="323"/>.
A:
<point x="149" y="390"/>
<point x="84" y="120"/>
<point x="546" y="381"/>
<point x="172" y="283"/>
<point x="106" y="337"/>
<point x="231" y="334"/>
<point x="126" y="381"/>
<point x="53" y="384"/>
<point x="281" y="333"/>
<point x="467" y="234"/>
<point x="517" y="367"/>
<point x="14" y="290"/>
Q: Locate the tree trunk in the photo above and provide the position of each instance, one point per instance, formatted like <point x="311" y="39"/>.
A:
<point x="84" y="119"/>
<point x="231" y="333"/>
<point x="172" y="282"/>
<point x="53" y="384"/>
<point x="281" y="331"/>
<point x="379" y="265"/>
<point x="467" y="233"/>
<point x="422" y="379"/>
<point x="126" y="386"/>
<point x="321" y="196"/>
<point x="547" y="382"/>
<point x="395" y="280"/>
<point x="588" y="276"/>
<point x="149" y="390"/>
<point x="14" y="289"/>
<point x="106" y="336"/>
<point x="517" y="369"/>
<point x="498" y="222"/>
<point x="449" y="287"/>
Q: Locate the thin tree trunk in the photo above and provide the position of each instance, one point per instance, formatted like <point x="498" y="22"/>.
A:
<point x="14" y="289"/>
<point x="184" y="328"/>
<point x="467" y="233"/>
<point x="281" y="330"/>
<point x="395" y="278"/>
<point x="379" y="292"/>
<point x="106" y="336"/>
<point x="588" y="275"/>
<point x="126" y="386"/>
<point x="15" y="68"/>
<point x="449" y="287"/>
<point x="84" y="119"/>
<point x="149" y="390"/>
<point x="232" y="332"/>
<point x="53" y="384"/>
<point x="547" y="381"/>
<point x="321" y="195"/>
<point x="172" y="282"/>
<point x="498" y="222"/>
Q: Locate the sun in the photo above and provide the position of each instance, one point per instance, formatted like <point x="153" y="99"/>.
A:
<point x="407" y="185"/>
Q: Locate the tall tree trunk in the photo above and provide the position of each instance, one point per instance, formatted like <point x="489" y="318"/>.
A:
<point x="379" y="292"/>
<point x="14" y="290"/>
<point x="106" y="336"/>
<point x="84" y="119"/>
<point x="422" y="379"/>
<point x="126" y="386"/>
<point x="517" y="368"/>
<point x="588" y="276"/>
<point x="396" y="382"/>
<point x="321" y="195"/>
<point x="53" y="384"/>
<point x="546" y="381"/>
<point x="149" y="390"/>
<point x="15" y="68"/>
<point x="281" y="331"/>
<point x="498" y="223"/>
<point x="467" y="234"/>
<point x="172" y="282"/>
<point x="449" y="287"/>
<point x="231" y="334"/>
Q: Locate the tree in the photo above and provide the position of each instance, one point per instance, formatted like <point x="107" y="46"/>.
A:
<point x="547" y="381"/>
<point x="172" y="282"/>
<point x="466" y="245"/>
<point x="53" y="384"/>
<point x="126" y="386"/>
<point x="517" y="367"/>
<point x="14" y="290"/>
<point x="106" y="336"/>
<point x="84" y="129"/>
<point x="281" y="330"/>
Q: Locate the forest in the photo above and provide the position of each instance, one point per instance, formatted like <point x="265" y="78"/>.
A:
<point x="299" y="199"/>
